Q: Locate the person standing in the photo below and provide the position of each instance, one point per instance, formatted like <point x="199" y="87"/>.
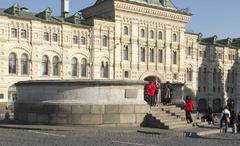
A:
<point x="225" y="118"/>
<point x="188" y="107"/>
<point x="232" y="123"/>
<point x="238" y="122"/>
<point x="151" y="91"/>
<point x="158" y="94"/>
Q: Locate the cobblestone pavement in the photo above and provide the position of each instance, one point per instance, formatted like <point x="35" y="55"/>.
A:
<point x="109" y="137"/>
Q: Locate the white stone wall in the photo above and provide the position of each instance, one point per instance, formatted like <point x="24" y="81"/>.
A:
<point x="117" y="15"/>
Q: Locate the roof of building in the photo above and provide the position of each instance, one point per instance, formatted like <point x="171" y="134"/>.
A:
<point x="160" y="3"/>
<point x="228" y="42"/>
<point x="17" y="11"/>
<point x="166" y="5"/>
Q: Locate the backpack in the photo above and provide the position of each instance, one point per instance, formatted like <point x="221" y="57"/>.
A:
<point x="226" y="118"/>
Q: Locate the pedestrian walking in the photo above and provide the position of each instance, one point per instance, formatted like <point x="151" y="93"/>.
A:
<point x="188" y="107"/>
<point x="225" y="119"/>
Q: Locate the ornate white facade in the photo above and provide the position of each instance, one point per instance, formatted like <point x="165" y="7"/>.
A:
<point x="117" y="40"/>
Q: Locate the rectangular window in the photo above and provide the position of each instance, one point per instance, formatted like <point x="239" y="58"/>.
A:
<point x="55" y="37"/>
<point x="75" y="40"/>
<point x="205" y="54"/>
<point x="199" y="89"/>
<point x="83" y="40"/>
<point x="23" y="34"/>
<point x="1" y="96"/>
<point x="14" y="33"/>
<point x="126" y="74"/>
<point x="46" y="36"/>
<point x="200" y="54"/>
<point x="219" y="55"/>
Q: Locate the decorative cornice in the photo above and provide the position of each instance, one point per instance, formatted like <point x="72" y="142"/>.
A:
<point x="153" y="12"/>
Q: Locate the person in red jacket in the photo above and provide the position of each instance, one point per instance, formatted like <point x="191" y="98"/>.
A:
<point x="188" y="107"/>
<point x="151" y="92"/>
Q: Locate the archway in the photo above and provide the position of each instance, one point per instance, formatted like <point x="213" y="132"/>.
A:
<point x="12" y="93"/>
<point x="152" y="78"/>
<point x="202" y="105"/>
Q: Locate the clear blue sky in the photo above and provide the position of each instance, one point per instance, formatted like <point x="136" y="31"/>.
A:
<point x="210" y="17"/>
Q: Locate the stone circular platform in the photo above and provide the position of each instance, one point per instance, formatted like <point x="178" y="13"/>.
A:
<point x="100" y="102"/>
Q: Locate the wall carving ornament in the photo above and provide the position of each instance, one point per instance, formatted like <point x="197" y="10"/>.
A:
<point x="152" y="12"/>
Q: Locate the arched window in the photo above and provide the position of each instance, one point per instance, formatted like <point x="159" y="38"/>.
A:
<point x="125" y="52"/>
<point x="84" y="67"/>
<point x="151" y="34"/>
<point x="232" y="76"/>
<point x="142" y="33"/>
<point x="12" y="67"/>
<point x="189" y="51"/>
<point x="160" y="35"/>
<point x="205" y="74"/>
<point x="189" y="74"/>
<point x="24" y="64"/>
<point x="125" y="30"/>
<point x="102" y="70"/>
<point x="199" y="74"/>
<point x="143" y="54"/>
<point x="151" y="55"/>
<point x="106" y="68"/>
<point x="105" y="41"/>
<point x="45" y="65"/>
<point x="214" y="75"/>
<point x="174" y="37"/>
<point x="55" y="66"/>
<point x="219" y="76"/>
<point x="160" y="56"/>
<point x="174" y="57"/>
<point x="74" y="68"/>
<point x="83" y="40"/>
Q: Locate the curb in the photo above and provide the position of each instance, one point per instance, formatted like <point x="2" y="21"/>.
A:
<point x="40" y="127"/>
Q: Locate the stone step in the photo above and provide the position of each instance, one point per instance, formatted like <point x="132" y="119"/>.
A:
<point x="164" y="120"/>
<point x="160" y="114"/>
<point x="185" y="125"/>
<point x="175" y="123"/>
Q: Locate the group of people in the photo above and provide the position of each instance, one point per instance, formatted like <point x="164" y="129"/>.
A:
<point x="156" y="93"/>
<point x="229" y="118"/>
